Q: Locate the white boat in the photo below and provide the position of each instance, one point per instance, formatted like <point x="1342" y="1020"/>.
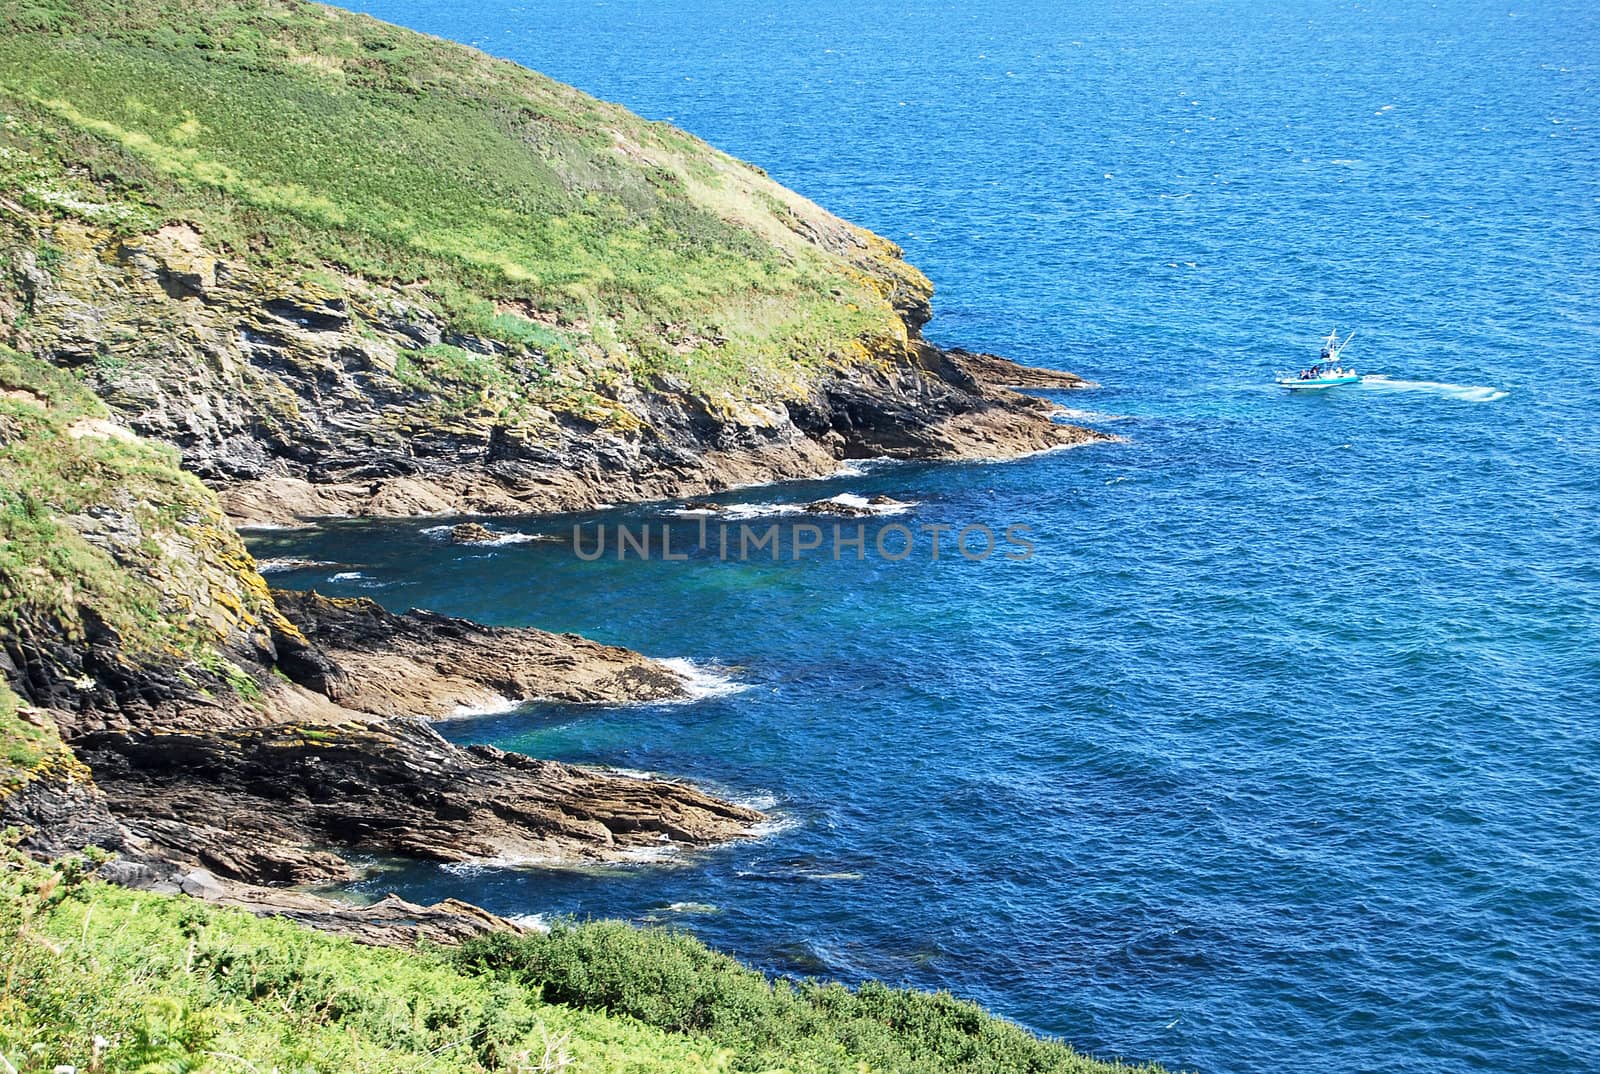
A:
<point x="1329" y="372"/>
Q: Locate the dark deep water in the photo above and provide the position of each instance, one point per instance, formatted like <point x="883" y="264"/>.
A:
<point x="1284" y="749"/>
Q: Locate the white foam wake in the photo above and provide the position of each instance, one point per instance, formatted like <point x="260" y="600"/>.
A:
<point x="1466" y="393"/>
<point x="704" y="680"/>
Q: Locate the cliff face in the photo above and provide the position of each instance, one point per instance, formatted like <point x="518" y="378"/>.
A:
<point x="158" y="701"/>
<point x="349" y="269"/>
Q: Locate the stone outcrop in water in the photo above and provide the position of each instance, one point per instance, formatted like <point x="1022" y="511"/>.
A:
<point x="161" y="702"/>
<point x="421" y="663"/>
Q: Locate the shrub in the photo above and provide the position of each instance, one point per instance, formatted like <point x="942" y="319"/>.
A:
<point x="673" y="982"/>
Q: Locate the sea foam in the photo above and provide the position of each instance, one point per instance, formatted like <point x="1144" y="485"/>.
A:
<point x="702" y="681"/>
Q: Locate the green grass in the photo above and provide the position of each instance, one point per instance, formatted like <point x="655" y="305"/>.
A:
<point x="170" y="584"/>
<point x="25" y="744"/>
<point x="104" y="978"/>
<point x="312" y="138"/>
<point x="672" y="981"/>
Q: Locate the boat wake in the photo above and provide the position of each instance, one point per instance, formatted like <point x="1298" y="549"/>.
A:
<point x="1466" y="393"/>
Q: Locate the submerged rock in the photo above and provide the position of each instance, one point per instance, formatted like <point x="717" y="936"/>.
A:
<point x="841" y="508"/>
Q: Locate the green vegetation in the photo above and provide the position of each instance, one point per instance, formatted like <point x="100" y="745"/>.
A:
<point x="162" y="573"/>
<point x="674" y="982"/>
<point x="25" y="743"/>
<point x="326" y="143"/>
<point x="103" y="978"/>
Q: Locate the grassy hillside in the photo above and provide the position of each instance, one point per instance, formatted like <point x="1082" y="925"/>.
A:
<point x="108" y="979"/>
<point x="102" y="534"/>
<point x="325" y="143"/>
<point x="102" y="978"/>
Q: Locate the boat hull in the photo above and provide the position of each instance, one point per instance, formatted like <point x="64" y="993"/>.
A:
<point x="1297" y="385"/>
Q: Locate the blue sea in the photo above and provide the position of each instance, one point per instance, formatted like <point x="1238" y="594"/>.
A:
<point x="1283" y="749"/>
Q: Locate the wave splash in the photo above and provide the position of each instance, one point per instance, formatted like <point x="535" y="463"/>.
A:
<point x="742" y="512"/>
<point x="442" y="533"/>
<point x="701" y="681"/>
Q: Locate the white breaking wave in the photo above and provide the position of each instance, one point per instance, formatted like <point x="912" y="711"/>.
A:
<point x="347" y="576"/>
<point x="1076" y="414"/>
<point x="519" y="538"/>
<point x="628" y="773"/>
<point x="292" y="563"/>
<point x="704" y="680"/>
<point x="743" y="512"/>
<point x="532" y="922"/>
<point x="692" y="908"/>
<point x="738" y="512"/>
<point x="850" y="499"/>
<point x="775" y="824"/>
<point x="762" y="800"/>
<point x="1467" y="393"/>
<point x="493" y="707"/>
<point x="665" y="851"/>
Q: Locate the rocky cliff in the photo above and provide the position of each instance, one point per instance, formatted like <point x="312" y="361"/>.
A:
<point x="271" y="260"/>
<point x="161" y="702"/>
<point x="345" y="268"/>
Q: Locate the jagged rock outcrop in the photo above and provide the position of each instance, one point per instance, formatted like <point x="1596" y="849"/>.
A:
<point x="145" y="709"/>
<point x="60" y="811"/>
<point x="256" y="805"/>
<point x="421" y="663"/>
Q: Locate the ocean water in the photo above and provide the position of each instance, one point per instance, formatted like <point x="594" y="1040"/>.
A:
<point x="1283" y="749"/>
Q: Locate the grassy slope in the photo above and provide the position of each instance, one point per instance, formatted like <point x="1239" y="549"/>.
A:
<point x="314" y="139"/>
<point x="171" y="984"/>
<point x="168" y="574"/>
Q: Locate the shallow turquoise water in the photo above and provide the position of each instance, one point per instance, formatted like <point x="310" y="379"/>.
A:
<point x="1284" y="749"/>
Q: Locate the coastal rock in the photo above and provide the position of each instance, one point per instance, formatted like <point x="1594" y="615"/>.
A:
<point x="472" y="533"/>
<point x="996" y="372"/>
<point x="251" y="805"/>
<point x="291" y="408"/>
<point x="389" y="922"/>
<point x="839" y="508"/>
<point x="420" y="663"/>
